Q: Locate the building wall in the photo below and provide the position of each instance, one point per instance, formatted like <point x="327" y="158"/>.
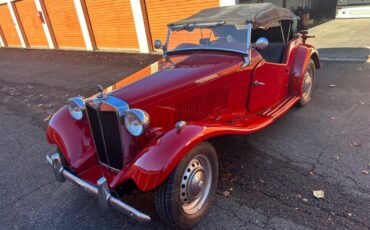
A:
<point x="112" y="24"/>
<point x="31" y="22"/>
<point x="7" y="27"/>
<point x="162" y="12"/>
<point x="65" y="23"/>
<point x="127" y="25"/>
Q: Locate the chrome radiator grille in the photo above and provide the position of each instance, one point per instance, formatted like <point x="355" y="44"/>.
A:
<point x="105" y="128"/>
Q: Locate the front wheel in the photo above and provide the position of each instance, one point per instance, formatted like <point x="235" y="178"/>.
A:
<point x="185" y="197"/>
<point x="307" y="84"/>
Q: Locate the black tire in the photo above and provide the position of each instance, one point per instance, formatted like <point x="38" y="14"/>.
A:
<point x="169" y="204"/>
<point x="306" y="97"/>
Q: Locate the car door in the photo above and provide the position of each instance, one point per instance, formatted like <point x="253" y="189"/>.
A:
<point x="269" y="85"/>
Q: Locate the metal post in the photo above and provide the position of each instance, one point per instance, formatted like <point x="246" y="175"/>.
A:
<point x="164" y="47"/>
<point x="282" y="31"/>
<point x="248" y="56"/>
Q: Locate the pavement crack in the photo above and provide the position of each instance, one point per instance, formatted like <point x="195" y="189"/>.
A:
<point x="29" y="193"/>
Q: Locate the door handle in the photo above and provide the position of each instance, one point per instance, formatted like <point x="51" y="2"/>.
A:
<point x="259" y="83"/>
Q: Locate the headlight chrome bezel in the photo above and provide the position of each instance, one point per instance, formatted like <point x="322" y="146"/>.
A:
<point x="76" y="107"/>
<point x="136" y="121"/>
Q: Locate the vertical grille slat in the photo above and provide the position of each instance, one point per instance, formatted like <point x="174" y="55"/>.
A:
<point x="105" y="129"/>
<point x="111" y="135"/>
<point x="96" y="132"/>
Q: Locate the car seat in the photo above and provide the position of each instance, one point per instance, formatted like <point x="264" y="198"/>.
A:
<point x="274" y="52"/>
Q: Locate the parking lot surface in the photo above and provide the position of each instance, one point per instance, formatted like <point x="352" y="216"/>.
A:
<point x="343" y="39"/>
<point x="270" y="175"/>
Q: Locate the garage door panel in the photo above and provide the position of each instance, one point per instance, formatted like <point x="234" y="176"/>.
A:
<point x="64" y="23"/>
<point x="8" y="27"/>
<point x="31" y="23"/>
<point x="112" y="24"/>
<point x="162" y="12"/>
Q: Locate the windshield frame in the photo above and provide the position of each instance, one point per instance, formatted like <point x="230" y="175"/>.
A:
<point x="246" y="53"/>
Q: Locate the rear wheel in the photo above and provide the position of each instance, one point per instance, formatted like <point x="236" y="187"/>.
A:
<point x="307" y="84"/>
<point x="185" y="197"/>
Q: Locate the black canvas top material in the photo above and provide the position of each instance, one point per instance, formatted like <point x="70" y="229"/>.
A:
<point x="262" y="15"/>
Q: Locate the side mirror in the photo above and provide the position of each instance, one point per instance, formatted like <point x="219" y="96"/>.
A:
<point x="261" y="43"/>
<point x="157" y="44"/>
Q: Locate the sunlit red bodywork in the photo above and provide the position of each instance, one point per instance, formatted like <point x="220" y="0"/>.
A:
<point x="208" y="89"/>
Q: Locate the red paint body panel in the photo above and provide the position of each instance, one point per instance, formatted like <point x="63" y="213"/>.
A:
<point x="207" y="89"/>
<point x="302" y="57"/>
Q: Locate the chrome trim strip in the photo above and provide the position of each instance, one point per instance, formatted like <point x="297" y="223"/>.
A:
<point x="102" y="191"/>
<point x="120" y="106"/>
<point x="211" y="49"/>
<point x="109" y="167"/>
<point x="102" y="134"/>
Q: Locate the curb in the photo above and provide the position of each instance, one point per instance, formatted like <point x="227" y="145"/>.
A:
<point x="346" y="59"/>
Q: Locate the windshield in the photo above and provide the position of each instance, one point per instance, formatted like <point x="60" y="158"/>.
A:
<point x="218" y="37"/>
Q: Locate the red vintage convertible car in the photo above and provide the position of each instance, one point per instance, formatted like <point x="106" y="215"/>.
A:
<point x="226" y="70"/>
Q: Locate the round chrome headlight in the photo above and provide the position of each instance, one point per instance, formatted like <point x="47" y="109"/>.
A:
<point x="136" y="121"/>
<point x="76" y="106"/>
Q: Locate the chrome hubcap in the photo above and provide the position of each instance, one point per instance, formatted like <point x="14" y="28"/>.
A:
<point x="195" y="184"/>
<point x="307" y="84"/>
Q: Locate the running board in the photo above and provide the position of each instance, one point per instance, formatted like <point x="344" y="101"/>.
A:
<point x="278" y="108"/>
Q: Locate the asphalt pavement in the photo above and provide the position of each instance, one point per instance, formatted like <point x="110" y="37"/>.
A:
<point x="343" y="40"/>
<point x="270" y="176"/>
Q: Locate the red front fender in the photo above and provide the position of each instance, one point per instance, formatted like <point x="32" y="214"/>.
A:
<point x="152" y="165"/>
<point x="73" y="139"/>
<point x="155" y="162"/>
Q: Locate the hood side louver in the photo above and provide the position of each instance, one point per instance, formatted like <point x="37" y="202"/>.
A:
<point x="203" y="105"/>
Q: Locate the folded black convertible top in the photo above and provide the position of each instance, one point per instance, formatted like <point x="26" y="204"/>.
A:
<point x="263" y="15"/>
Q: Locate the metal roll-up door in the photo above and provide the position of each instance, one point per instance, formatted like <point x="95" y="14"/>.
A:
<point x="31" y="23"/>
<point x="8" y="27"/>
<point x="64" y="23"/>
<point x="162" y="12"/>
<point x="112" y="24"/>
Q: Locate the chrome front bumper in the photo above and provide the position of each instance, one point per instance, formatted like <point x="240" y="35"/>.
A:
<point x="106" y="200"/>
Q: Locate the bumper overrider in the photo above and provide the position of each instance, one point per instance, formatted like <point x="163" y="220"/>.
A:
<point x="106" y="200"/>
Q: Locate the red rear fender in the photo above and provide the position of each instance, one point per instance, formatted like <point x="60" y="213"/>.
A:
<point x="301" y="59"/>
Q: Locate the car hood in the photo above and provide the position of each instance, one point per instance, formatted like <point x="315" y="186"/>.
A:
<point x="173" y="75"/>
